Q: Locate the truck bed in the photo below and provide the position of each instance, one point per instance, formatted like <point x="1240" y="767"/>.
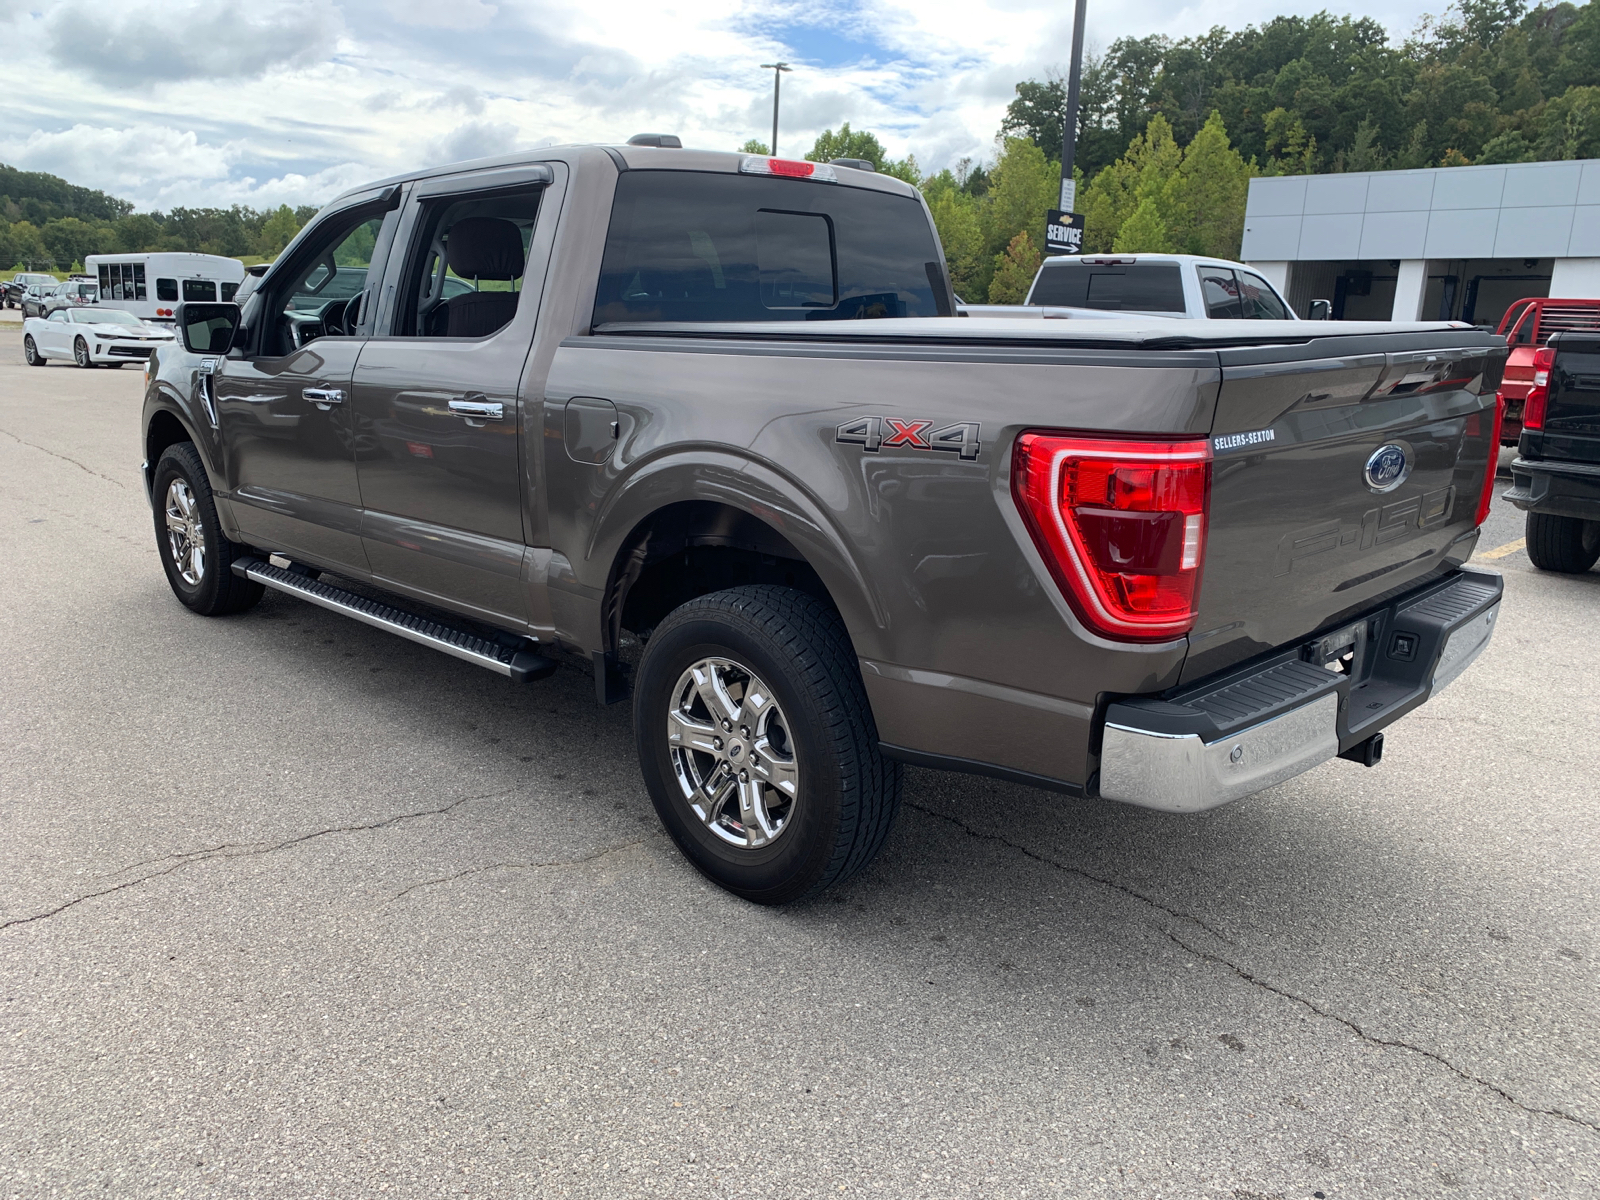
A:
<point x="964" y="639"/>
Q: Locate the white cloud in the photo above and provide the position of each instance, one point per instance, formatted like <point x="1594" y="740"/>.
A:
<point x="461" y="14"/>
<point x="163" y="167"/>
<point x="474" y="139"/>
<point x="146" y="43"/>
<point x="217" y="101"/>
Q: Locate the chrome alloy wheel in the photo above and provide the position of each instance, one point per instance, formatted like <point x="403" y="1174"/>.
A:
<point x="732" y="753"/>
<point x="185" y="537"/>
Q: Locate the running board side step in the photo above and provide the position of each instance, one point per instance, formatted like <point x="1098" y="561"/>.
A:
<point x="517" y="665"/>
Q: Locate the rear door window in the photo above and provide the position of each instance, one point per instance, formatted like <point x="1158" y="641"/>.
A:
<point x="1221" y="291"/>
<point x="166" y="289"/>
<point x="1118" y="287"/>
<point x="699" y="246"/>
<point x="1257" y="300"/>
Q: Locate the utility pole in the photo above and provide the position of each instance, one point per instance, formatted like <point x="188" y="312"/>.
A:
<point x="1063" y="227"/>
<point x="777" y="69"/>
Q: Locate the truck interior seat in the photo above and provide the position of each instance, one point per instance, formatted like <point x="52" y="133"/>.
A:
<point x="483" y="248"/>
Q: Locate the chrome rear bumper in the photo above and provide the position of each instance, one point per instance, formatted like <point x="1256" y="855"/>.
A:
<point x="1250" y="728"/>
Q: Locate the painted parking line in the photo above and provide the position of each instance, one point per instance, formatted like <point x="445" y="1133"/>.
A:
<point x="1501" y="551"/>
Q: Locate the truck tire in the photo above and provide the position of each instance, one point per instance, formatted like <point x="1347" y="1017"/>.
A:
<point x="758" y="745"/>
<point x="197" y="557"/>
<point x="1563" y="544"/>
<point x="30" y="351"/>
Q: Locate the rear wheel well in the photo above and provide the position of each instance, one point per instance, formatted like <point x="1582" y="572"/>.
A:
<point x="693" y="549"/>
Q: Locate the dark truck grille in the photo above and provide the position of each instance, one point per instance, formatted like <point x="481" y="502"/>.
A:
<point x="133" y="351"/>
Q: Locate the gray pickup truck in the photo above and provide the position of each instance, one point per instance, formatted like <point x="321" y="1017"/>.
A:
<point x="707" y="425"/>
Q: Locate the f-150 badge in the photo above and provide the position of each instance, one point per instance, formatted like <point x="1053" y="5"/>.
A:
<point x="873" y="434"/>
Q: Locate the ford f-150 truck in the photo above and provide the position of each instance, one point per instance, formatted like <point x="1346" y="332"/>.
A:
<point x="706" y="424"/>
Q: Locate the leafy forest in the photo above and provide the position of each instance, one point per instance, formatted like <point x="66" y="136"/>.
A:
<point x="1170" y="133"/>
<point x="48" y="223"/>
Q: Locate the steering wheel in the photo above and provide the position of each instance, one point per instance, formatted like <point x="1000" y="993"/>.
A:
<point x="352" y="313"/>
<point x="333" y="316"/>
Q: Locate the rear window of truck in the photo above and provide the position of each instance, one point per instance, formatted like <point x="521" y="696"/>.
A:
<point x="1134" y="287"/>
<point x="697" y="246"/>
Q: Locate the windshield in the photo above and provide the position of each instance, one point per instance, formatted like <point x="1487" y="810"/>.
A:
<point x="105" y="316"/>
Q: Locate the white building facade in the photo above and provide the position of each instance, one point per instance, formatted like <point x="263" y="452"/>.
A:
<point x="1450" y="243"/>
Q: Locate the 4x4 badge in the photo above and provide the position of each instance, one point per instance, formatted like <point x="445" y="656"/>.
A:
<point x="873" y="434"/>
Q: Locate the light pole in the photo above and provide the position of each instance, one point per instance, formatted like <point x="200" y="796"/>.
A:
<point x="1063" y="229"/>
<point x="1069" y="123"/>
<point x="777" y="69"/>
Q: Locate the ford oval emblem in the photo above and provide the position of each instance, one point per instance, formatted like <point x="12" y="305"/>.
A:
<point x="1388" y="468"/>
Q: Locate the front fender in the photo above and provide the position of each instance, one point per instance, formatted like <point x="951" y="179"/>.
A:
<point x="173" y="394"/>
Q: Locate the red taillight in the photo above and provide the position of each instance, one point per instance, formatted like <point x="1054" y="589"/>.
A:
<point x="1122" y="526"/>
<point x="1494" y="453"/>
<point x="1539" y="394"/>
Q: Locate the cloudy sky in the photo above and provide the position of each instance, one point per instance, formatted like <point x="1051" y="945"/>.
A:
<point x="195" y="102"/>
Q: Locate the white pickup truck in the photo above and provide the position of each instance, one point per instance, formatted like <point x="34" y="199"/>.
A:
<point x="1170" y="286"/>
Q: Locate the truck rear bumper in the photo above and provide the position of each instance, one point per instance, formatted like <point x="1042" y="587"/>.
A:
<point x="1559" y="488"/>
<point x="1249" y="728"/>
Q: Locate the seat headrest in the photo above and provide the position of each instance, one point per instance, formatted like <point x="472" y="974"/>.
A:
<point x="485" y="248"/>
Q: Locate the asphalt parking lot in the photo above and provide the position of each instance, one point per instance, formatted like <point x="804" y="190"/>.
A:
<point x="291" y="908"/>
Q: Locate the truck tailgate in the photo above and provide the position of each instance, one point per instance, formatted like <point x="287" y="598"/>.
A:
<point x="1345" y="469"/>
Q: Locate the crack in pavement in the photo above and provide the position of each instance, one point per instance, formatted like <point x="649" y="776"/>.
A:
<point x="63" y="458"/>
<point x="513" y="866"/>
<point x="1256" y="980"/>
<point x="1467" y="1076"/>
<point x="1102" y="880"/>
<point x="242" y="850"/>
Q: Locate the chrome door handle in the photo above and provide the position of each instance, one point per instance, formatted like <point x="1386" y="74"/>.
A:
<point x="478" y="410"/>
<point x="323" y="398"/>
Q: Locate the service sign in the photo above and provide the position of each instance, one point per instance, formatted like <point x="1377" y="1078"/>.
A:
<point x="1063" y="232"/>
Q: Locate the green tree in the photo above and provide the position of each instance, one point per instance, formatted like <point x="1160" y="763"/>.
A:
<point x="1144" y="232"/>
<point x="754" y="147"/>
<point x="1290" y="149"/>
<point x="1023" y="186"/>
<point x="1569" y="126"/>
<point x="1202" y="202"/>
<point x="27" y="248"/>
<point x="1508" y="147"/>
<point x="1014" y="269"/>
<point x="1140" y="174"/>
<point x="277" y="231"/>
<point x="858" y="143"/>
<point x="137" y="232"/>
<point x="955" y="215"/>
<point x="71" y="239"/>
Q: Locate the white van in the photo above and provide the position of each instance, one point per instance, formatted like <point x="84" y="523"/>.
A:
<point x="151" y="286"/>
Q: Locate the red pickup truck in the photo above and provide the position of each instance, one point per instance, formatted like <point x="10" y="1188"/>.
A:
<point x="1528" y="325"/>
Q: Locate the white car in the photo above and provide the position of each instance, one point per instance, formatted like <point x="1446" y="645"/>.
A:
<point x="91" y="337"/>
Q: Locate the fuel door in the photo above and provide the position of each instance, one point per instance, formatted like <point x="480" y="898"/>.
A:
<point x="592" y="430"/>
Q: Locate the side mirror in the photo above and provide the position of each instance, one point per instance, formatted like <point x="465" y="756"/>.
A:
<point x="1320" y="310"/>
<point x="207" y="328"/>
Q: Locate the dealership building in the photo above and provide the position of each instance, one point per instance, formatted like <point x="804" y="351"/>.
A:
<point x="1452" y="243"/>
